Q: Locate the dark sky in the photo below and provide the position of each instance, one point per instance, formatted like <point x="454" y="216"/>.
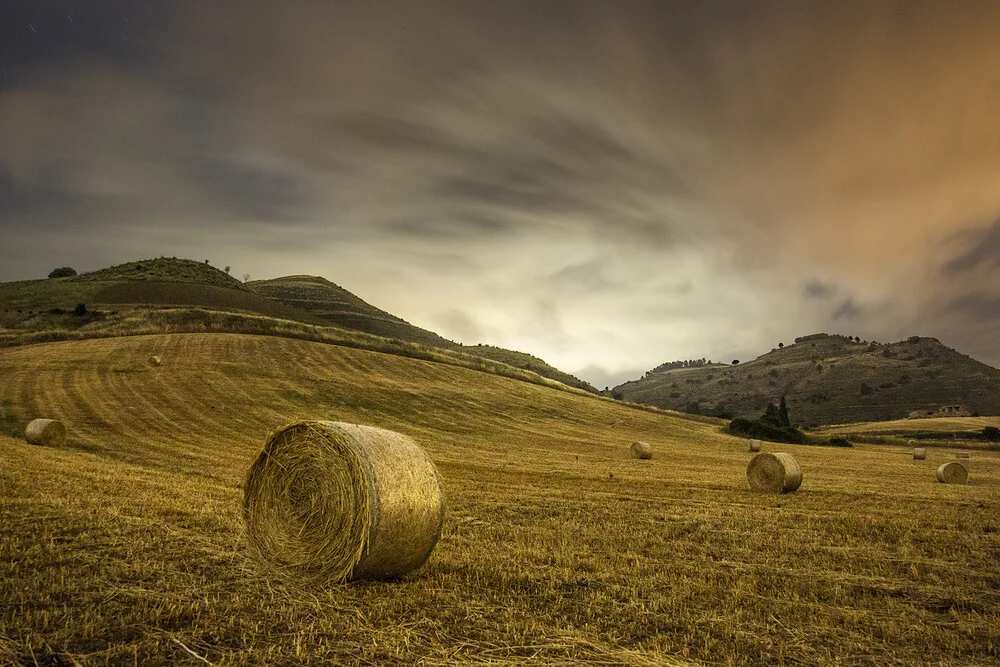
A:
<point x="608" y="185"/>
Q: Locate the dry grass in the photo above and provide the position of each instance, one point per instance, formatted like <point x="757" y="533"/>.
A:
<point x="126" y="546"/>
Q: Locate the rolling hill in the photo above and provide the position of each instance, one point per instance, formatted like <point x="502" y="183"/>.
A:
<point x="830" y="379"/>
<point x="125" y="546"/>
<point x="41" y="307"/>
<point x="322" y="298"/>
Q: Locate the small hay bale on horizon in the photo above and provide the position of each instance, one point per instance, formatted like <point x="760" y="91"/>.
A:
<point x="755" y="445"/>
<point x="47" y="432"/>
<point x="155" y="360"/>
<point x="920" y="454"/>
<point x="952" y="472"/>
<point x="774" y="473"/>
<point x="641" y="450"/>
<point x="326" y="502"/>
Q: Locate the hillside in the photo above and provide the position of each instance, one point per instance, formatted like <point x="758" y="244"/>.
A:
<point x="331" y="302"/>
<point x="65" y="293"/>
<point x="125" y="546"/>
<point x="324" y="299"/>
<point x="830" y="380"/>
<point x="41" y="310"/>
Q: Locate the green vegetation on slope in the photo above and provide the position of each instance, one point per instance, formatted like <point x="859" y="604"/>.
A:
<point x="36" y="310"/>
<point x="38" y="296"/>
<point x="335" y="304"/>
<point x="125" y="547"/>
<point x="830" y="380"/>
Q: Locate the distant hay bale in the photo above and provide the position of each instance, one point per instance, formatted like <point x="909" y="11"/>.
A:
<point x="755" y="445"/>
<point x="48" y="432"/>
<point x="155" y="360"/>
<point x="952" y="472"/>
<point x="774" y="473"/>
<point x="920" y="454"/>
<point x="641" y="450"/>
<point x="327" y="502"/>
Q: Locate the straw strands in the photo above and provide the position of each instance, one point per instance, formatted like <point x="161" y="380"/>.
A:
<point x="48" y="432"/>
<point x="641" y="450"/>
<point x="328" y="501"/>
<point x="774" y="473"/>
<point x="952" y="472"/>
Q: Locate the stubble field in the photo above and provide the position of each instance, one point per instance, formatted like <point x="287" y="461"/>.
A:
<point x="125" y="546"/>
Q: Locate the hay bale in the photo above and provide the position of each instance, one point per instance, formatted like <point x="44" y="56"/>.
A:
<point x="755" y="445"/>
<point x="326" y="502"/>
<point x="920" y="454"/>
<point x="952" y="472"/>
<point x="48" y="432"/>
<point x="155" y="360"/>
<point x="774" y="473"/>
<point x="641" y="450"/>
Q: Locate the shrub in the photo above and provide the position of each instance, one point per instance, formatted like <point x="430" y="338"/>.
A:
<point x="56" y="311"/>
<point x="839" y="442"/>
<point x="62" y="272"/>
<point x="81" y="309"/>
<point x="755" y="428"/>
<point x="991" y="433"/>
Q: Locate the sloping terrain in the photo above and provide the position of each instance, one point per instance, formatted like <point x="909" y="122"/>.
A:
<point x="335" y="304"/>
<point x="65" y="293"/>
<point x="830" y="380"/>
<point x="331" y="302"/>
<point x="195" y="294"/>
<point x="41" y="308"/>
<point x="124" y="547"/>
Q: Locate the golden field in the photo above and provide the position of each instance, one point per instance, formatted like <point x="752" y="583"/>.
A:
<point x="125" y="546"/>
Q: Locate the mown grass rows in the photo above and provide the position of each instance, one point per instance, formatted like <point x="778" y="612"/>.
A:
<point x="557" y="547"/>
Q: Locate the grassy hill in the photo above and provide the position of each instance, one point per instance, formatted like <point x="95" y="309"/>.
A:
<point x="34" y="296"/>
<point x="331" y="302"/>
<point x="324" y="299"/>
<point x="830" y="380"/>
<point x="125" y="546"/>
<point x="36" y="310"/>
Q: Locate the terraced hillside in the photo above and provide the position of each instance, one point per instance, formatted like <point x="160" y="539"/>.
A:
<point x="40" y="309"/>
<point x="65" y="293"/>
<point x="830" y="380"/>
<point x="331" y="302"/>
<point x="125" y="546"/>
<point x="322" y="298"/>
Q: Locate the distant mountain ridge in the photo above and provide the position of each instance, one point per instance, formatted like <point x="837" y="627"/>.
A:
<point x="830" y="379"/>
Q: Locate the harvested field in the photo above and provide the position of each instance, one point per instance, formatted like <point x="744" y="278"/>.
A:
<point x="125" y="546"/>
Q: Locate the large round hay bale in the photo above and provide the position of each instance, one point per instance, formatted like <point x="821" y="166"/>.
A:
<point x="920" y="454"/>
<point x="952" y="472"/>
<point x="155" y="360"/>
<point x="48" y="432"/>
<point x="774" y="473"/>
<point x="327" y="502"/>
<point x="641" y="450"/>
<point x="755" y="445"/>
